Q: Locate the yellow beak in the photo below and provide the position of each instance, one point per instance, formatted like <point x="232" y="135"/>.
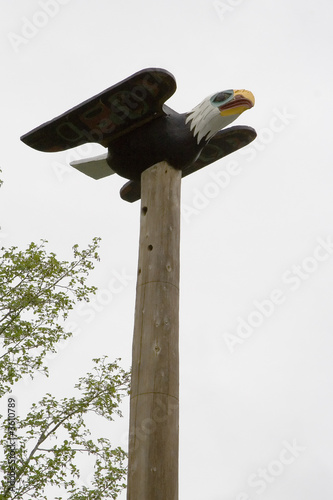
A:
<point x="242" y="100"/>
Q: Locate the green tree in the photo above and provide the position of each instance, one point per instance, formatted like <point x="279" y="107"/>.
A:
<point x="54" y="433"/>
<point x="37" y="292"/>
<point x="42" y="449"/>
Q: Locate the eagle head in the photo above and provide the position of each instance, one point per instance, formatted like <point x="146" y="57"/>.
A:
<point x="217" y="111"/>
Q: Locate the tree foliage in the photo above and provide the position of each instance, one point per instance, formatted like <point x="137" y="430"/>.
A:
<point x="45" y="447"/>
<point x="54" y="433"/>
<point x="37" y="291"/>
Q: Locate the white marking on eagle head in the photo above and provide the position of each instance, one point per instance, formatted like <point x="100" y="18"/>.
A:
<point x="203" y="120"/>
<point x="209" y="116"/>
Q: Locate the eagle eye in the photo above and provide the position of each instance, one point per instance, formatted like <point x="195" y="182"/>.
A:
<point x="222" y="97"/>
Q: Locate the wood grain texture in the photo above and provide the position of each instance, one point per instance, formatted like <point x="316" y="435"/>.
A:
<point x="154" y="407"/>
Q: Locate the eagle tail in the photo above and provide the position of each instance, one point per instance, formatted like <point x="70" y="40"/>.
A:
<point x="96" y="167"/>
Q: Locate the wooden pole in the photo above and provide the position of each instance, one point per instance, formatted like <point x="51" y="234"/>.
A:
<point x="154" y="406"/>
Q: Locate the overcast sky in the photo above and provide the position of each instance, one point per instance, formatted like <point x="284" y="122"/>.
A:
<point x="257" y="228"/>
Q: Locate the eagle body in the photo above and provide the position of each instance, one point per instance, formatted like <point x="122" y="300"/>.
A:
<point x="167" y="138"/>
<point x="177" y="138"/>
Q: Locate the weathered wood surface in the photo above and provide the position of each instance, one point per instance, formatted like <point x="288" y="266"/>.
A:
<point x="154" y="407"/>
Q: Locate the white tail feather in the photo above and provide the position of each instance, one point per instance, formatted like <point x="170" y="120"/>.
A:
<point x="95" y="167"/>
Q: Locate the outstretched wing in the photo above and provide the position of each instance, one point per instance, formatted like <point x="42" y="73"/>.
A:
<point x="222" y="144"/>
<point x="110" y="114"/>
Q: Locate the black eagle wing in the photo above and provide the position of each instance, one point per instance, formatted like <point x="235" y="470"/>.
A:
<point x="221" y="144"/>
<point x="108" y="115"/>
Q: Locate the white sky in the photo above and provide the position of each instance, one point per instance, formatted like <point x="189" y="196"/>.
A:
<point x="242" y="405"/>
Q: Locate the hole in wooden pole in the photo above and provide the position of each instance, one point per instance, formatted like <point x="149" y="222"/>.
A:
<point x="150" y="247"/>
<point x="144" y="210"/>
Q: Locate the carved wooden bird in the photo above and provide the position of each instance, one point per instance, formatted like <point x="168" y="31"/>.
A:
<point x="131" y="120"/>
